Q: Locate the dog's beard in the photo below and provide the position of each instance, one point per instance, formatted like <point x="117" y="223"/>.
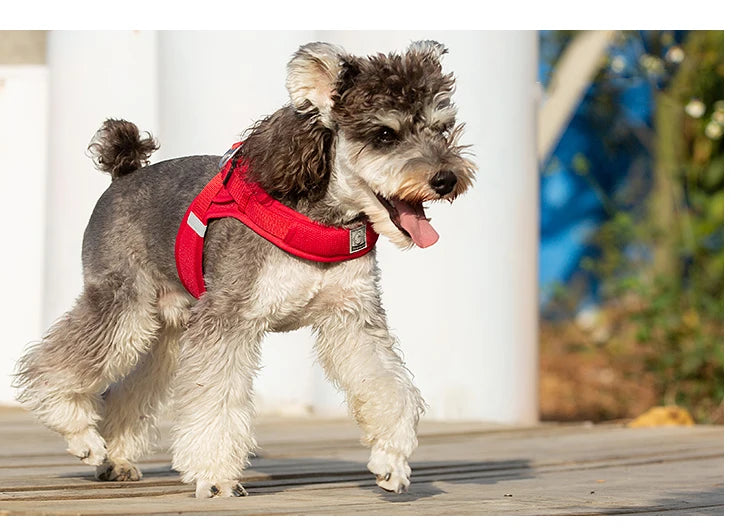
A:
<point x="391" y="191"/>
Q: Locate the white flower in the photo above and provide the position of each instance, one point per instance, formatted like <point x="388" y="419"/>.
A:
<point x="651" y="64"/>
<point x="618" y="64"/>
<point x="718" y="114"/>
<point x="695" y="108"/>
<point x="714" y="130"/>
<point x="675" y="55"/>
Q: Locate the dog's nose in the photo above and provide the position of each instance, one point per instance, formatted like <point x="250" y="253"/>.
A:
<point x="443" y="182"/>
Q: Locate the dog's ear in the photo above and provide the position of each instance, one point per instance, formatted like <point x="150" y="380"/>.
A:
<point x="290" y="155"/>
<point x="430" y="48"/>
<point x="312" y="78"/>
<point x="350" y="68"/>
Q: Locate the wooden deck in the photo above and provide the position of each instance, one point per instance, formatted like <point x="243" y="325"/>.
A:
<point x="317" y="467"/>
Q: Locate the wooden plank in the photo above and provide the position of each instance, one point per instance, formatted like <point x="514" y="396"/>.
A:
<point x="557" y="493"/>
<point x="318" y="467"/>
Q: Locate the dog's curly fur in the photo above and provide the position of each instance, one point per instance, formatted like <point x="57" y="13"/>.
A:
<point x="363" y="138"/>
<point x="306" y="173"/>
<point x="117" y="148"/>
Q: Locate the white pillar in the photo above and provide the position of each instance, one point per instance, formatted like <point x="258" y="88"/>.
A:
<point x="93" y="75"/>
<point x="23" y="157"/>
<point x="465" y="310"/>
<point x="212" y="86"/>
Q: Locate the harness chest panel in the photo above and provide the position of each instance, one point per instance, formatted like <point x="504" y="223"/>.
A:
<point x="231" y="194"/>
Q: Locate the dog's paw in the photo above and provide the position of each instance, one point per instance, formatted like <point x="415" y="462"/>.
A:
<point x="391" y="471"/>
<point x="120" y="470"/>
<point x="227" y="488"/>
<point x="89" y="446"/>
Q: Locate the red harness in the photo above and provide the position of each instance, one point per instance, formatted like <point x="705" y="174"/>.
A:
<point x="230" y="194"/>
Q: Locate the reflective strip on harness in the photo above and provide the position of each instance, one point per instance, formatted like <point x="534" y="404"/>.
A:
<point x="230" y="194"/>
<point x="196" y="225"/>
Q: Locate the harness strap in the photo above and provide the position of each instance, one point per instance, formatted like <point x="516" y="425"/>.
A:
<point x="190" y="238"/>
<point x="230" y="194"/>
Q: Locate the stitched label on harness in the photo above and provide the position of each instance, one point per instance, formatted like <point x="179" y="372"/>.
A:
<point x="357" y="239"/>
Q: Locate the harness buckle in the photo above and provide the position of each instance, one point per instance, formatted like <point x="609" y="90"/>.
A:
<point x="230" y="171"/>
<point x="229" y="154"/>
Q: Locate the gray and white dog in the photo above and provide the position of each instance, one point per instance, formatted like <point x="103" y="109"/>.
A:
<point x="363" y="138"/>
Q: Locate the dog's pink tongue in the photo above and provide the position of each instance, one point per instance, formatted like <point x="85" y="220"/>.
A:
<point x="412" y="219"/>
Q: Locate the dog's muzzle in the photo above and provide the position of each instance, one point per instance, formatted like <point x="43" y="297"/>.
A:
<point x="443" y="182"/>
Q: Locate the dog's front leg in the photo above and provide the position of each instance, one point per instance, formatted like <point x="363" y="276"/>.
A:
<point x="214" y="415"/>
<point x="358" y="354"/>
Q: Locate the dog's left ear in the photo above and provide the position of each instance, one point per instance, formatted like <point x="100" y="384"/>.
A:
<point x="430" y="48"/>
<point x="312" y="75"/>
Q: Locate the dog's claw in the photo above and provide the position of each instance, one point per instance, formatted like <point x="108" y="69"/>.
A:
<point x="87" y="446"/>
<point x="239" y="491"/>
<point x="119" y="470"/>
<point x="227" y="488"/>
<point x="392" y="487"/>
<point x="384" y="481"/>
<point x="391" y="471"/>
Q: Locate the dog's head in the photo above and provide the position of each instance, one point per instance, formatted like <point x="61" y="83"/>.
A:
<point x="395" y="131"/>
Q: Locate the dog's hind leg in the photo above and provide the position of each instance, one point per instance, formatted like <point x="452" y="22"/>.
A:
<point x="213" y="408"/>
<point x="358" y="354"/>
<point x="96" y="343"/>
<point x="132" y="407"/>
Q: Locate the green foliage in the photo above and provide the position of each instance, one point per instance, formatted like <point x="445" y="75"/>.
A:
<point x="668" y="252"/>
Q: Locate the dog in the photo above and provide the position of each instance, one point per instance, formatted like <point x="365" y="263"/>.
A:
<point x="364" y="140"/>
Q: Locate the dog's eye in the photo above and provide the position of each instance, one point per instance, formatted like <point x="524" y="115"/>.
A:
<point x="386" y="136"/>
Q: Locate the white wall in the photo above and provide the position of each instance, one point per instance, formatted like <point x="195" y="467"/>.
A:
<point x="94" y="75"/>
<point x="464" y="310"/>
<point x="23" y="156"/>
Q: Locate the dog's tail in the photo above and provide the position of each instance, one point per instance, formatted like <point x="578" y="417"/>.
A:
<point x="117" y="148"/>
